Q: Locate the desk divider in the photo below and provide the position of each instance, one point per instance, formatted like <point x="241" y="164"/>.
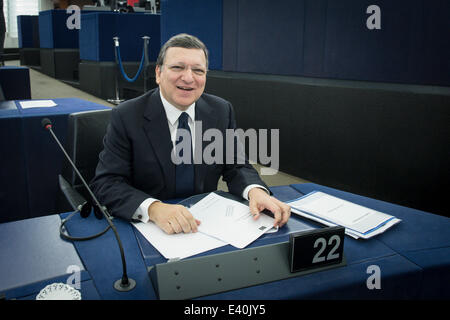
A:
<point x="196" y="277"/>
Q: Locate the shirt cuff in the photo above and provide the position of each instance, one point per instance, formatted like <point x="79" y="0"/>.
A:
<point x="247" y="190"/>
<point x="141" y="213"/>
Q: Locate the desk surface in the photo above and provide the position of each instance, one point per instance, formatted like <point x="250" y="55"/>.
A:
<point x="415" y="266"/>
<point x="63" y="106"/>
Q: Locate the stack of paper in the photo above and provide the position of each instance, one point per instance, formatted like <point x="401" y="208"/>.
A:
<point x="359" y="221"/>
<point x="223" y="221"/>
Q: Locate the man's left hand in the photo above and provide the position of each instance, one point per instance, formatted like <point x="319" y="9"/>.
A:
<point x="260" y="200"/>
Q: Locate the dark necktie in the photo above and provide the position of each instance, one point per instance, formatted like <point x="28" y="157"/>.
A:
<point x="184" y="184"/>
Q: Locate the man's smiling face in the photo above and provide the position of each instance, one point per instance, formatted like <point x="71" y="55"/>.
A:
<point x="182" y="77"/>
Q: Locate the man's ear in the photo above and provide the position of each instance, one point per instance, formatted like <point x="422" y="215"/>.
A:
<point x="158" y="74"/>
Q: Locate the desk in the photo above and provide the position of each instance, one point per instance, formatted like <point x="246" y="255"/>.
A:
<point x="13" y="184"/>
<point x="412" y="265"/>
<point x="38" y="259"/>
<point x="15" y="82"/>
<point x="31" y="159"/>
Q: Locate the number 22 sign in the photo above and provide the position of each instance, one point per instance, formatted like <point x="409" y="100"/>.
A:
<point x="316" y="248"/>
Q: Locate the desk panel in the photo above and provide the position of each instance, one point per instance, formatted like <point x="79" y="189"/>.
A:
<point x="13" y="186"/>
<point x="436" y="276"/>
<point x="28" y="31"/>
<point x="42" y="155"/>
<point x="31" y="251"/>
<point x="15" y="82"/>
<point x="53" y="31"/>
<point x="96" y="36"/>
<point x="399" y="279"/>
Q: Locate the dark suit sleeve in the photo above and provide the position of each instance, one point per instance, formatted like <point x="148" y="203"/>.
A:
<point x="111" y="183"/>
<point x="240" y="173"/>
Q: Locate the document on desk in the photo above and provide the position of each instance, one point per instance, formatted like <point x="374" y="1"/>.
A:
<point x="359" y="221"/>
<point x="223" y="221"/>
<point x="37" y="104"/>
<point x="229" y="220"/>
<point x="181" y="245"/>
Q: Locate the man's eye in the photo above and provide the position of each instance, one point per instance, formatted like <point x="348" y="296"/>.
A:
<point x="199" y="72"/>
<point x="176" y="68"/>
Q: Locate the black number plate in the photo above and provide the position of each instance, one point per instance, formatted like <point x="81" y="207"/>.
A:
<point x="316" y="248"/>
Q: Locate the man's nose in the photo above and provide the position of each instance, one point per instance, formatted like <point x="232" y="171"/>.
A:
<point x="187" y="75"/>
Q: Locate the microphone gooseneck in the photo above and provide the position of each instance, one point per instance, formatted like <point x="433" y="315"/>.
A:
<point x="125" y="283"/>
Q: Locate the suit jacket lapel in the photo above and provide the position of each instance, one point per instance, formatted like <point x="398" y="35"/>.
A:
<point x="157" y="131"/>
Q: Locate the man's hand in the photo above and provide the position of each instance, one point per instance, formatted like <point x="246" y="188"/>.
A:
<point x="172" y="218"/>
<point x="260" y="200"/>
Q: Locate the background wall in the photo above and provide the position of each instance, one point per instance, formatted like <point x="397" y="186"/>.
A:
<point x="330" y="39"/>
<point x="197" y="17"/>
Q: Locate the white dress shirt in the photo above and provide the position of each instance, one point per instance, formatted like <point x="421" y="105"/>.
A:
<point x="173" y="114"/>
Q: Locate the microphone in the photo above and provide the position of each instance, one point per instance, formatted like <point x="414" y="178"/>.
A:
<point x="125" y="283"/>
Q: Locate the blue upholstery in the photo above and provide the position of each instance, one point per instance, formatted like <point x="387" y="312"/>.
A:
<point x="98" y="30"/>
<point x="200" y="18"/>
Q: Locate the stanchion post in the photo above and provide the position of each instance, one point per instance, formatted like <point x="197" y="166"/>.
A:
<point x="117" y="100"/>
<point x="146" y="42"/>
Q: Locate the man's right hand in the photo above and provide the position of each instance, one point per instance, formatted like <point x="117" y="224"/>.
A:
<point x="172" y="218"/>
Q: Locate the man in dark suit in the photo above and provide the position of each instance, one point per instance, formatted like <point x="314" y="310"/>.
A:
<point x="136" y="169"/>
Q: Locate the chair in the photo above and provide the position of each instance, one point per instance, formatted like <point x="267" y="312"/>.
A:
<point x="83" y="144"/>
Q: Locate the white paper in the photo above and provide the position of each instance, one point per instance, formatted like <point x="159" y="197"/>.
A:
<point x="37" y="104"/>
<point x="181" y="245"/>
<point x="359" y="221"/>
<point x="229" y="220"/>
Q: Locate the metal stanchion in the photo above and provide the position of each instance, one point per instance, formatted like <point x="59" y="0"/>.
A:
<point x="119" y="68"/>
<point x="117" y="100"/>
<point x="146" y="41"/>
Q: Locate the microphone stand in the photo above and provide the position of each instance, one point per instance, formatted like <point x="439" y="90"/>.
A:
<point x="125" y="283"/>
